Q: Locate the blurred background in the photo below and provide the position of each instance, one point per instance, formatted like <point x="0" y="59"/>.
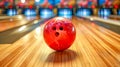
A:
<point x="66" y="8"/>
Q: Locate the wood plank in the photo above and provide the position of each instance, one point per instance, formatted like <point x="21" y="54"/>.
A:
<point x="94" y="46"/>
<point x="15" y="21"/>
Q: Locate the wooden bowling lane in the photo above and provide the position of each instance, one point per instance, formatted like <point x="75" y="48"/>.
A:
<point x="94" y="46"/>
<point x="14" y="21"/>
<point x="115" y="17"/>
<point x="110" y="24"/>
<point x="4" y="17"/>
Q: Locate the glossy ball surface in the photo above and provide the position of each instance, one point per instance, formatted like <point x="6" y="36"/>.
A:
<point x="59" y="33"/>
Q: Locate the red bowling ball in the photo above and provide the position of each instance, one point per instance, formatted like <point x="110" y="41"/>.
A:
<point x="59" y="33"/>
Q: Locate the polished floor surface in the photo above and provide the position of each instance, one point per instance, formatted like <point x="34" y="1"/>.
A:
<point x="94" y="46"/>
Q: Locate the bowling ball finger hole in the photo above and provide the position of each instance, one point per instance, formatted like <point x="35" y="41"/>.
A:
<point x="54" y="28"/>
<point x="61" y="28"/>
<point x="57" y="34"/>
